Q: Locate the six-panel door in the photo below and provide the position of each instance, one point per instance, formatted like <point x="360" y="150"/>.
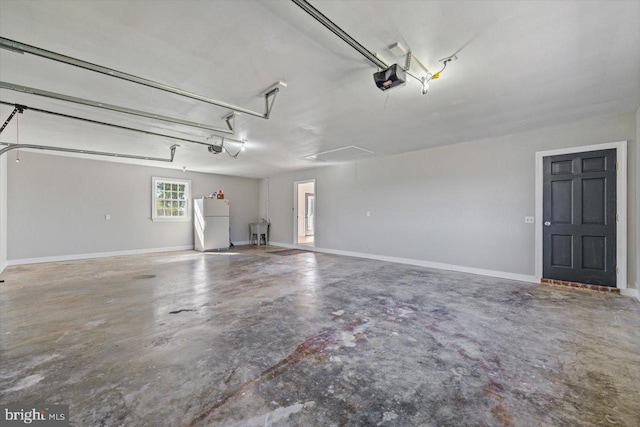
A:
<point x="579" y="216"/>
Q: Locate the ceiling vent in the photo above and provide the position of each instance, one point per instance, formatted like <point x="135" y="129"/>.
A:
<point x="343" y="154"/>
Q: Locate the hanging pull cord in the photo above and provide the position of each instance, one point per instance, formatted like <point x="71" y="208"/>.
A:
<point x="18" y="137"/>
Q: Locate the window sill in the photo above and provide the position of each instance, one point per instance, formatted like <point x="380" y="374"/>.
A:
<point x="171" y="219"/>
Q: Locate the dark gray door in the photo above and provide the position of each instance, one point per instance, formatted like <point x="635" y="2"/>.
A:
<point x="579" y="215"/>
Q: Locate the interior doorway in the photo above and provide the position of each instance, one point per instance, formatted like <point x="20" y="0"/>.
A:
<point x="620" y="210"/>
<point x="304" y="212"/>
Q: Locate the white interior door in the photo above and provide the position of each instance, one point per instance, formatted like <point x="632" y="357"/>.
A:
<point x="309" y="213"/>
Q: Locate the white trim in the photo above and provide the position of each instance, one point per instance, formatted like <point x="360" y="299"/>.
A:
<point x="621" y="193"/>
<point x="629" y="293"/>
<point x="420" y="263"/>
<point x="96" y="255"/>
<point x="241" y="243"/>
<point x="295" y="206"/>
<point x="167" y="219"/>
<point x="290" y="246"/>
<point x="4" y="166"/>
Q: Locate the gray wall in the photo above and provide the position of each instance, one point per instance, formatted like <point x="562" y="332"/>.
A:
<point x="3" y="212"/>
<point x="461" y="204"/>
<point x="57" y="206"/>
<point x="637" y="183"/>
<point x="263" y="203"/>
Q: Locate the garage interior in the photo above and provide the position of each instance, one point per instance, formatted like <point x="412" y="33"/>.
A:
<point x="450" y="191"/>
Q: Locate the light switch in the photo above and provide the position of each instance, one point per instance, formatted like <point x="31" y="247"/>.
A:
<point x="528" y="219"/>
<point x="107" y="217"/>
<point x="368" y="213"/>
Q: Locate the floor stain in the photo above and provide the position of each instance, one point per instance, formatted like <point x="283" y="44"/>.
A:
<point x="315" y="346"/>
<point x="181" y="310"/>
<point x="502" y="414"/>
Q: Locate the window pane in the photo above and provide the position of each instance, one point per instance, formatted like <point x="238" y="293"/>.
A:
<point x="171" y="199"/>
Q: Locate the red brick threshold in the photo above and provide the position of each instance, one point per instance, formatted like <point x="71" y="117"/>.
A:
<point x="576" y="285"/>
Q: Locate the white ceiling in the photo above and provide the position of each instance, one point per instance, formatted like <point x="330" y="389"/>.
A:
<point x="522" y="65"/>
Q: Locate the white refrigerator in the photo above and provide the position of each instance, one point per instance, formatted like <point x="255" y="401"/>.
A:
<point x="211" y="224"/>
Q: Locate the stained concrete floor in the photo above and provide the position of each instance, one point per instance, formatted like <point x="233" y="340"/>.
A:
<point x="252" y="338"/>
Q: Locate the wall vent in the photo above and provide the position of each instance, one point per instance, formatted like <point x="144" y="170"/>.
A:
<point x="342" y="154"/>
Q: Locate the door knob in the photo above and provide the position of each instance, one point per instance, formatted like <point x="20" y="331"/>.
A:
<point x="547" y="223"/>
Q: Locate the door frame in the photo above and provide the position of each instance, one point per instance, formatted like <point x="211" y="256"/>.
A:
<point x="295" y="207"/>
<point x="621" y="204"/>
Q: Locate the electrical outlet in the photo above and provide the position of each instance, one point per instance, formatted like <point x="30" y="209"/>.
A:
<point x="107" y="217"/>
<point x="528" y="219"/>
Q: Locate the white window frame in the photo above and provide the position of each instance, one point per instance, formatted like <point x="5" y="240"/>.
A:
<point x="154" y="213"/>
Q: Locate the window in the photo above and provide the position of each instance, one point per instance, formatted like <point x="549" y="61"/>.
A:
<point x="171" y="200"/>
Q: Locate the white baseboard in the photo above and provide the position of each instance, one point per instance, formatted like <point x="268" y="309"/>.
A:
<point x="95" y="255"/>
<point x="629" y="292"/>
<point x="3" y="266"/>
<point x="242" y="243"/>
<point x="290" y="246"/>
<point x="420" y="263"/>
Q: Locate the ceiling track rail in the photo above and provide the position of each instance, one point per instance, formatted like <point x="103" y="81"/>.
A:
<point x="116" y="108"/>
<point x="374" y="59"/>
<point x="10" y="147"/>
<point x="19" y="47"/>
<point x="17" y="109"/>
<point x="318" y="16"/>
<point x="22" y="108"/>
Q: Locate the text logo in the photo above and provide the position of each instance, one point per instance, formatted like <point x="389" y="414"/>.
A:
<point x="34" y="415"/>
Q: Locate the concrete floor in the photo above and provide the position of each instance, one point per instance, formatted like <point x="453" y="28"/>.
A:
<point x="252" y="338"/>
